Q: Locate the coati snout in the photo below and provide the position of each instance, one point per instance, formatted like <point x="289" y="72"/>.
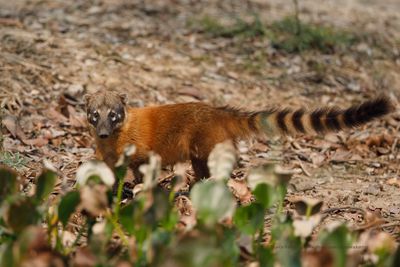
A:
<point x="105" y="112"/>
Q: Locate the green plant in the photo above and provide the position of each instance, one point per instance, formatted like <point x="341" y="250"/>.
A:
<point x="239" y="28"/>
<point x="292" y="36"/>
<point x="289" y="34"/>
<point x="14" y="160"/>
<point x="143" y="232"/>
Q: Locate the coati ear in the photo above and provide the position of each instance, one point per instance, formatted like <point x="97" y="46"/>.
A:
<point x="124" y="98"/>
<point x="86" y="98"/>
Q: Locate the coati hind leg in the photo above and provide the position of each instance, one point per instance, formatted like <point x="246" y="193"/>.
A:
<point x="200" y="168"/>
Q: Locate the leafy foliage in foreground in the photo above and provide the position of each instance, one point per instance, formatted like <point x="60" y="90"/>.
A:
<point x="39" y="229"/>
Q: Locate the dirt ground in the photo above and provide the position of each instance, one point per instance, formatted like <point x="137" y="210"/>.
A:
<point x="53" y="52"/>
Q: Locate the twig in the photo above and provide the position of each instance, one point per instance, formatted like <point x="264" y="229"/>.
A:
<point x="389" y="224"/>
<point x="117" y="228"/>
<point x="330" y="210"/>
<point x="119" y="198"/>
<point x="303" y="168"/>
<point x="76" y="241"/>
<point x="296" y="16"/>
<point x="394" y="145"/>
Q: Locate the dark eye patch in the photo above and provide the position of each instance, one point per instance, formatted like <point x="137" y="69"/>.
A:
<point x="113" y="116"/>
<point x="93" y="116"/>
<point x="117" y="115"/>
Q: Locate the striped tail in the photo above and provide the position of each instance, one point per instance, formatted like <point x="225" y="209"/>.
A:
<point x="286" y="121"/>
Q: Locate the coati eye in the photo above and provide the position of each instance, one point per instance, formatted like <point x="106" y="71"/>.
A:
<point x="113" y="116"/>
<point x="95" y="116"/>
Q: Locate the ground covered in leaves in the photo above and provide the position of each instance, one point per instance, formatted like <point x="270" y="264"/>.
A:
<point x="239" y="53"/>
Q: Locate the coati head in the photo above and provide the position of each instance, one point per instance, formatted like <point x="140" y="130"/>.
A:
<point x="106" y="111"/>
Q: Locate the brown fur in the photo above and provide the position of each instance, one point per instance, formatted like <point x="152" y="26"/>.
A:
<point x="189" y="131"/>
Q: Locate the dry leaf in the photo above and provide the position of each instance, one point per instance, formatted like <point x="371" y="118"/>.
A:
<point x="55" y="115"/>
<point x="394" y="181"/>
<point x="382" y="241"/>
<point x="12" y="125"/>
<point x="186" y="213"/>
<point x="341" y="155"/>
<point x="76" y="119"/>
<point x="94" y="199"/>
<point x="39" y="142"/>
<point x="318" y="258"/>
<point x="317" y="158"/>
<point x="191" y="91"/>
<point x="84" y="258"/>
<point x="241" y="191"/>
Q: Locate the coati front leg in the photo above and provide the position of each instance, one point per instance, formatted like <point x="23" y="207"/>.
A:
<point x="138" y="159"/>
<point x="136" y="172"/>
<point x="133" y="169"/>
<point x="200" y="168"/>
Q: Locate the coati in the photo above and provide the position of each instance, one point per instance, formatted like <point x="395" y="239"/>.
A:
<point x="189" y="131"/>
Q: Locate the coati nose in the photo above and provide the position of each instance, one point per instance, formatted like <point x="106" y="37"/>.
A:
<point x="103" y="136"/>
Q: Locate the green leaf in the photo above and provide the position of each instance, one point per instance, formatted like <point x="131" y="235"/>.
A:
<point x="8" y="182"/>
<point x="213" y="201"/>
<point x="108" y="230"/>
<point x="262" y="174"/>
<point x="45" y="184"/>
<point x="269" y="174"/>
<point x="265" y="255"/>
<point x="126" y="218"/>
<point x="160" y="208"/>
<point x="6" y="255"/>
<point x="265" y="195"/>
<point x="229" y="247"/>
<point x="249" y="219"/>
<point x="20" y="214"/>
<point x="67" y="206"/>
<point x="120" y="172"/>
<point x="338" y="240"/>
<point x="193" y="252"/>
<point x="288" y="246"/>
<point x="289" y="255"/>
<point x="160" y="239"/>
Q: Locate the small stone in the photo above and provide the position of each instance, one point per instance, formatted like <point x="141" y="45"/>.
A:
<point x="74" y="90"/>
<point x="373" y="189"/>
